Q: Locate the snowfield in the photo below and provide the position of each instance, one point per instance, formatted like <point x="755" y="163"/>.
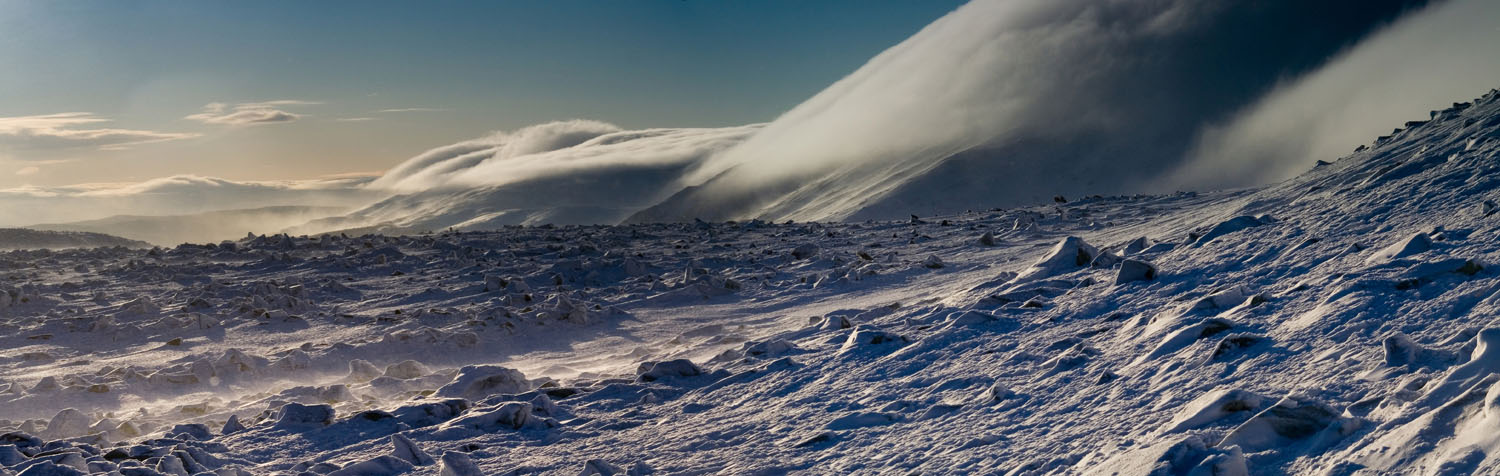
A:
<point x="1340" y="323"/>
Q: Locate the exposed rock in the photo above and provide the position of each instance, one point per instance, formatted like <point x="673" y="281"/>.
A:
<point x="1132" y="270"/>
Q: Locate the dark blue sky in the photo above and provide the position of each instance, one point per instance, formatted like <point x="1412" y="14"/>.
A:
<point x="144" y="66"/>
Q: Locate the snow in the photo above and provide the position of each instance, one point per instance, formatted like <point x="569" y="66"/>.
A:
<point x="1353" y="333"/>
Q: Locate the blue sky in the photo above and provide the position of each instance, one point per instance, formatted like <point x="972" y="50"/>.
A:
<point x="284" y="89"/>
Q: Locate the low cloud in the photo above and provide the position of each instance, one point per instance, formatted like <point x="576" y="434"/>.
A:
<point x="1426" y="61"/>
<point x="250" y="113"/>
<point x="175" y="195"/>
<point x="1007" y="102"/>
<point x="73" y="130"/>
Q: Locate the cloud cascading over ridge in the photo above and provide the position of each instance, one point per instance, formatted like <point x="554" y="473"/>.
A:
<point x="999" y="103"/>
<point x="72" y="130"/>
<point x="1011" y="102"/>
<point x="561" y="172"/>
<point x="250" y="113"/>
<point x="1443" y="54"/>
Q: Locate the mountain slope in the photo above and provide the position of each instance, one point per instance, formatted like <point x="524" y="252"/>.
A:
<point x="206" y="227"/>
<point x="29" y="239"/>
<point x="1343" y="322"/>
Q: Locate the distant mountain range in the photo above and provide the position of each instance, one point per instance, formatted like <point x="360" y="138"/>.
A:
<point x="204" y="227"/>
<point x="24" y="239"/>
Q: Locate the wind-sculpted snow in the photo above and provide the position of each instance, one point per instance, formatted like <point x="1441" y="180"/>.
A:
<point x="1340" y="323"/>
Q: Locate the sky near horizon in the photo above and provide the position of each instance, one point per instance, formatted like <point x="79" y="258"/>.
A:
<point x="102" y="91"/>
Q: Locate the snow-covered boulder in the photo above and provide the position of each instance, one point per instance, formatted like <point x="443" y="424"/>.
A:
<point x="1226" y="227"/>
<point x="933" y="262"/>
<point x="1411" y="245"/>
<point x="383" y="465"/>
<point x="866" y="337"/>
<point x="361" y="371"/>
<point x="458" y="464"/>
<point x="988" y="239"/>
<point x="407" y="450"/>
<point x="506" y="416"/>
<point x="1291" y="419"/>
<point x="406" y="370"/>
<point x="653" y="371"/>
<point x="1135" y="246"/>
<point x="297" y="415"/>
<point x="67" y="424"/>
<point x="1066" y="256"/>
<point x="191" y="431"/>
<point x="474" y="382"/>
<point x="1215" y="406"/>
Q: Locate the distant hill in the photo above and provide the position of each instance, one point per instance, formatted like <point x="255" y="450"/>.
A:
<point x="25" y="239"/>
<point x="207" y="227"/>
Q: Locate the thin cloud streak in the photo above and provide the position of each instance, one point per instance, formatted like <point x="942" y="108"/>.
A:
<point x="66" y="130"/>
<point x="249" y="113"/>
<point x="413" y="109"/>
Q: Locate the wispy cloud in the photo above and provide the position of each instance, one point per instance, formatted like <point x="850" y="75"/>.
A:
<point x="249" y="113"/>
<point x="28" y="170"/>
<point x="413" y="109"/>
<point x="72" y="130"/>
<point x="355" y="119"/>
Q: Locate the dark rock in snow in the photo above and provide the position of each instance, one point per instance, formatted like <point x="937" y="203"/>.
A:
<point x="1105" y="260"/>
<point x="1233" y="344"/>
<point x="805" y="251"/>
<point x="232" y="426"/>
<point x="1132" y="270"/>
<point x="815" y="440"/>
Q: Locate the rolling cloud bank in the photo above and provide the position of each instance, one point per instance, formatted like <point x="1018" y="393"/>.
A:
<point x="998" y="103"/>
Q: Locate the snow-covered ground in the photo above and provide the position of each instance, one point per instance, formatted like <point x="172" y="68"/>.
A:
<point x="1343" y="322"/>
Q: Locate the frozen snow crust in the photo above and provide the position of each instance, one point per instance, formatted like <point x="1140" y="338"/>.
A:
<point x="1341" y="323"/>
